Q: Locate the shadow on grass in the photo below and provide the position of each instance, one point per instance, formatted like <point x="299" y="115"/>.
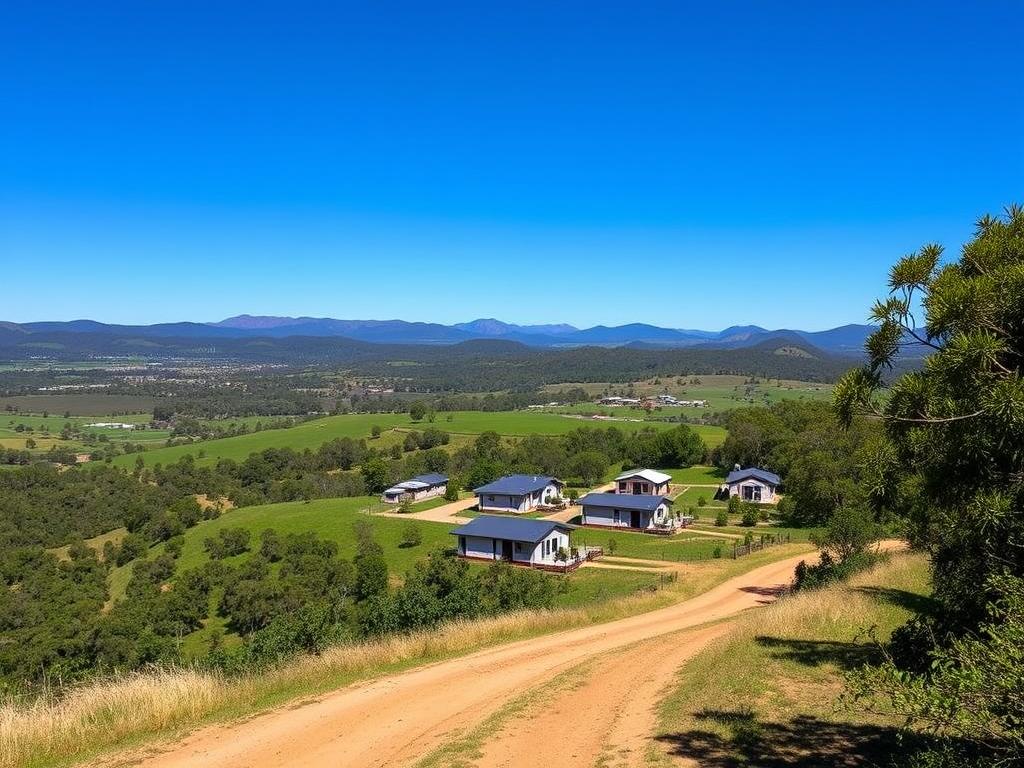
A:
<point x="802" y="742"/>
<point x="814" y="653"/>
<point x="913" y="602"/>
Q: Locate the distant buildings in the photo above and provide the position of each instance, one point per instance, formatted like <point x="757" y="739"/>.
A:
<point x="518" y="493"/>
<point x="111" y="425"/>
<point x="416" y="489"/>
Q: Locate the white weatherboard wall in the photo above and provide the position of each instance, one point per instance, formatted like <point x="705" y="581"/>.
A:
<point x="544" y="552"/>
<point x="606" y="516"/>
<point x="501" y="502"/>
<point x="767" y="491"/>
<point x="527" y="503"/>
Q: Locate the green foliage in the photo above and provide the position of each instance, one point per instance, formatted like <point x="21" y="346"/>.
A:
<point x="412" y="536"/>
<point x="721" y="518"/>
<point x="227" y="543"/>
<point x="749" y="515"/>
<point x="954" y="456"/>
<point x="849" y="532"/>
<point x="971" y="693"/>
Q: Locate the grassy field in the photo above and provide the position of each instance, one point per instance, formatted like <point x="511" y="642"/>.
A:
<point x="723" y="393"/>
<point x="699" y="475"/>
<point x="766" y="693"/>
<point x="679" y="548"/>
<point x="81" y="404"/>
<point x="314" y="433"/>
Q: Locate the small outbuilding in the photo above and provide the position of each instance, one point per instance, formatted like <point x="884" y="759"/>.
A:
<point x="754" y="485"/>
<point x="621" y="510"/>
<point x="416" y="489"/>
<point x="537" y="543"/>
<point x="518" y="493"/>
<point x="643" y="482"/>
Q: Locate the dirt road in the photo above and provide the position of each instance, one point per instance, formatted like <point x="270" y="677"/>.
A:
<point x="399" y="719"/>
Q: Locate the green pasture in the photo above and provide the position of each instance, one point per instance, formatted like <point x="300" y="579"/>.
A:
<point x="312" y="434"/>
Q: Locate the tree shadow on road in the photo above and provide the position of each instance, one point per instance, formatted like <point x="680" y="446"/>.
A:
<point x="801" y="742"/>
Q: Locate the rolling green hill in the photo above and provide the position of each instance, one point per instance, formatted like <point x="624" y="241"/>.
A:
<point x="314" y="433"/>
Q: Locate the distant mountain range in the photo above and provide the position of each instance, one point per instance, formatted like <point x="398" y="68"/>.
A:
<point x="844" y="340"/>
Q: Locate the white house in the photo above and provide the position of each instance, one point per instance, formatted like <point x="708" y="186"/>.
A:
<point x="416" y="489"/>
<point x="645" y="482"/>
<point x="518" y="493"/>
<point x="618" y="510"/>
<point x="754" y="484"/>
<point x="520" y="541"/>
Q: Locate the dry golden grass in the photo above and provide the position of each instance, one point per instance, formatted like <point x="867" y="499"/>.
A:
<point x="125" y="709"/>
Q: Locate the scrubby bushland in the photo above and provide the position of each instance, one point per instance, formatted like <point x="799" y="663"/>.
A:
<point x="954" y="450"/>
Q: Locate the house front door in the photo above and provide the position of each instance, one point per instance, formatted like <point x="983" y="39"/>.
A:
<point x="506" y="550"/>
<point x="634" y="519"/>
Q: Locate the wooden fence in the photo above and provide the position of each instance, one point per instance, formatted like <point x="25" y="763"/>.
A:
<point x="766" y="540"/>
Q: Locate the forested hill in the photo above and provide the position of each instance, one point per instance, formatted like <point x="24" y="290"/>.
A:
<point x="472" y="365"/>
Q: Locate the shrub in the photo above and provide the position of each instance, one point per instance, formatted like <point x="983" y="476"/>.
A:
<point x="412" y="536"/>
<point x="721" y="518"/>
<point x="612" y="546"/>
<point x="451" y="492"/>
<point x="750" y="515"/>
<point x="701" y="501"/>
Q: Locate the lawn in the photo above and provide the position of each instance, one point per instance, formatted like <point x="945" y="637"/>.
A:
<point x="699" y="475"/>
<point x="766" y="693"/>
<point x="690" y="497"/>
<point x="314" y="433"/>
<point x="681" y="547"/>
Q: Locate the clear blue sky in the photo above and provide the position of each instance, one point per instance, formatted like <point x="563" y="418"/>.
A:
<point x="690" y="165"/>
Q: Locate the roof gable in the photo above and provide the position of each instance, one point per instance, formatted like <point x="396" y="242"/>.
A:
<point x="629" y="501"/>
<point x="650" y="475"/>
<point x="757" y="473"/>
<point x="512" y="528"/>
<point x="518" y="485"/>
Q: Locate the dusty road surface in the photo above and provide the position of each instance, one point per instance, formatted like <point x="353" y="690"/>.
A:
<point x="446" y="513"/>
<point x="399" y="719"/>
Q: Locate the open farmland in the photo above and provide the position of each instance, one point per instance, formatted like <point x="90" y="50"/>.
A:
<point x="314" y="433"/>
<point x="723" y="392"/>
<point x="81" y="404"/>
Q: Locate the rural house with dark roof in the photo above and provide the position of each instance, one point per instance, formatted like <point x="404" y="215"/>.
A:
<point x="537" y="543"/>
<point x="626" y="510"/>
<point x="518" y="493"/>
<point x="754" y="484"/>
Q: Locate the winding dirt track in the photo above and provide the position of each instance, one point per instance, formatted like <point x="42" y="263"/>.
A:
<point x="398" y="719"/>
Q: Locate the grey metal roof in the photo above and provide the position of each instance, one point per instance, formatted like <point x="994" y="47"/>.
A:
<point x="517" y="485"/>
<point x="511" y="528"/>
<point x="629" y="501"/>
<point x="431" y="478"/>
<point x="759" y="474"/>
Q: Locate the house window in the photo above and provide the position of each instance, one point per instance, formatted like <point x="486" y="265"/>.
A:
<point x="615" y="516"/>
<point x="462" y="544"/>
<point x="519" y="546"/>
<point x="622" y="487"/>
